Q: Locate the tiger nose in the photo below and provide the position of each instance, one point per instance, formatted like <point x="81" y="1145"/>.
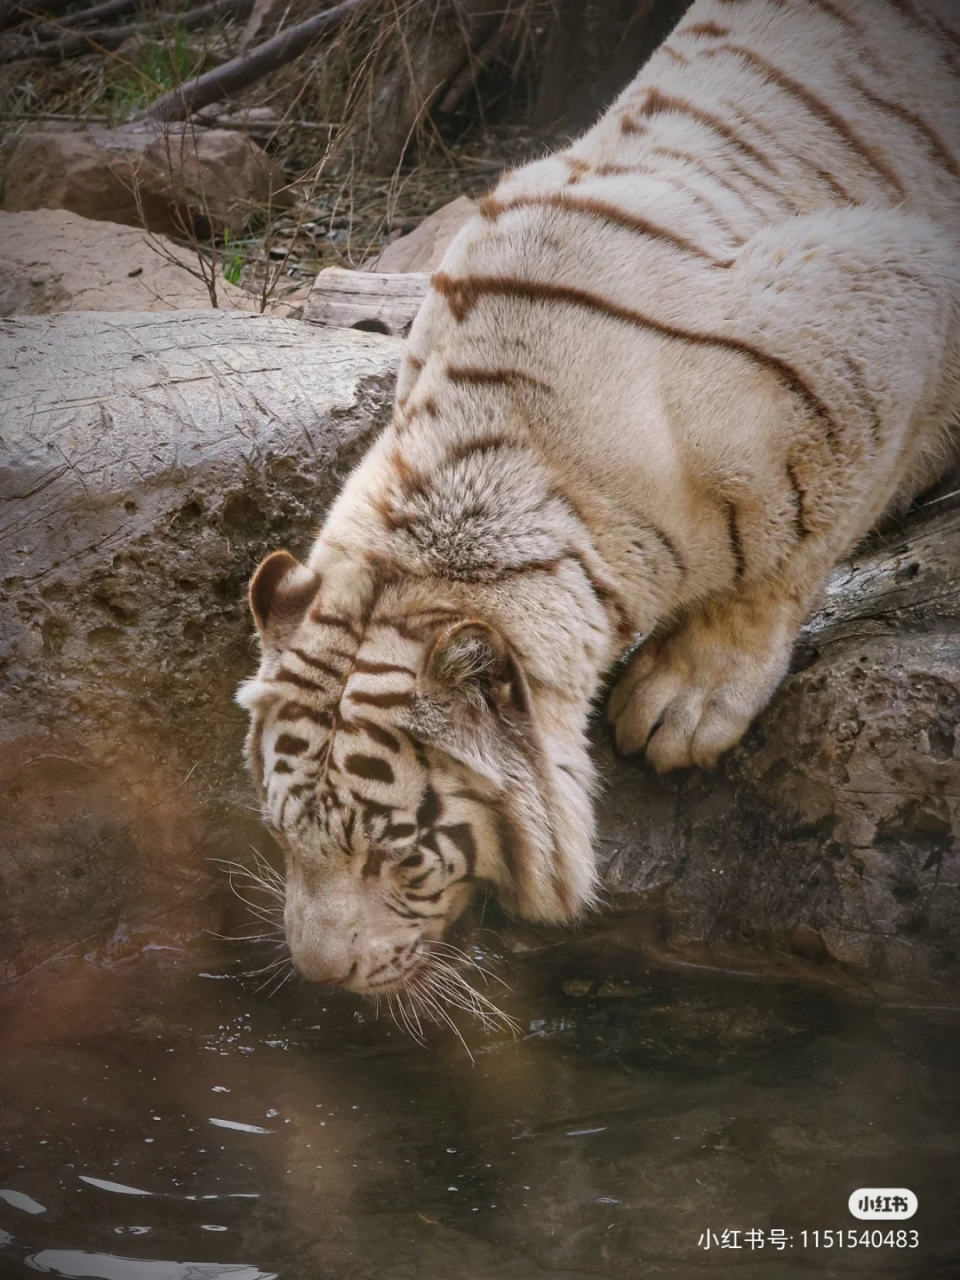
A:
<point x="330" y="971"/>
<point x="319" y="954"/>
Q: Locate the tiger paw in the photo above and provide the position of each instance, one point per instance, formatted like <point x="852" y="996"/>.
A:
<point x="688" y="697"/>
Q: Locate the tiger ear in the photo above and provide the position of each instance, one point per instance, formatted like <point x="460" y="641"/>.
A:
<point x="473" y="662"/>
<point x="281" y="592"/>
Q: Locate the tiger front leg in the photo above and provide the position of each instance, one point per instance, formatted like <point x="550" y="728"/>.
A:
<point x="690" y="695"/>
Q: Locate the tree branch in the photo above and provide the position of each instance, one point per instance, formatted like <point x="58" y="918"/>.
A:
<point x="236" y="74"/>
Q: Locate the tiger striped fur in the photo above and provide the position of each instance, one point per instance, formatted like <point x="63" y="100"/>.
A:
<point x="660" y="385"/>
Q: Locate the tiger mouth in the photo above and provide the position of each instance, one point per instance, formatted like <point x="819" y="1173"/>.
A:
<point x="392" y="985"/>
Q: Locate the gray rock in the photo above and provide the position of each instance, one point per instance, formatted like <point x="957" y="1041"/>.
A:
<point x="52" y="260"/>
<point x="163" y="179"/>
<point x="829" y="838"/>
<point x="148" y="461"/>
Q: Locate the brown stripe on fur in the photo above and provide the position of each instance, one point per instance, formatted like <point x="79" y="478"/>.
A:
<point x="385" y="700"/>
<point x="330" y="620"/>
<point x="513" y="852"/>
<point x="933" y="140"/>
<point x="412" y="482"/>
<point x="375" y="860"/>
<point x="300" y="711"/>
<point x="606" y="213"/>
<point x="317" y="664"/>
<point x="777" y="192"/>
<point x="833" y="183"/>
<point x="909" y="11"/>
<point x="837" y="13"/>
<point x="479" y="444"/>
<point x="671" y="153"/>
<point x="630" y="127"/>
<point x="392" y="518"/>
<point x="465" y="291"/>
<point x="426" y="408"/>
<point x="288" y="744"/>
<point x="383" y="737"/>
<point x="703" y="29"/>
<point x="859" y="383"/>
<point x="373" y="808"/>
<point x="827" y="178"/>
<point x="607" y="597"/>
<point x="671" y="547"/>
<point x="470" y="376"/>
<point x="371" y="768"/>
<point x="461" y="835"/>
<point x="429" y="810"/>
<point x="577" y="169"/>
<point x="468" y="793"/>
<point x="816" y="106"/>
<point x="947" y="37"/>
<point x="284" y="676"/>
<point x="416" y="364"/>
<point x="699" y="198"/>
<point x="736" y="541"/>
<point x="660" y="103"/>
<point x="528" y="566"/>
<point x="407" y="628"/>
<point x="671" y="180"/>
<point x="799" y="496"/>
<point x="381" y="668"/>
<point x="674" y="55"/>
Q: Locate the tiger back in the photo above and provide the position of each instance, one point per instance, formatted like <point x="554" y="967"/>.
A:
<point x="659" y="386"/>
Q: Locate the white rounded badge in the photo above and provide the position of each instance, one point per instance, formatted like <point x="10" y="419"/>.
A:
<point x="883" y="1204"/>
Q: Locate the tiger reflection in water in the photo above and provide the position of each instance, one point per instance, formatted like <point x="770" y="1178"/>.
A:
<point x="660" y="385"/>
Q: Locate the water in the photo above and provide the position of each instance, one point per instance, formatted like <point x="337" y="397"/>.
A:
<point x="162" y="1120"/>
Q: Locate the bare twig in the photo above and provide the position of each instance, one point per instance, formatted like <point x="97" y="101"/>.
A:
<point x="109" y="38"/>
<point x="236" y="74"/>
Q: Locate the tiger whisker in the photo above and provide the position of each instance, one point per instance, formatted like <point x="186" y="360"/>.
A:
<point x="243" y="937"/>
<point x="267" y="869"/>
<point x="441" y="1015"/>
<point x="414" y="1016"/>
<point x="237" y="869"/>
<point x="400" y="1017"/>
<point x="464" y="956"/>
<point x="286" y="978"/>
<point x="255" y="973"/>
<point x="456" y="989"/>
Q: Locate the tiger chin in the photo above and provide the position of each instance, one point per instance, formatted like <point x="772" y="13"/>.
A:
<point x="661" y="384"/>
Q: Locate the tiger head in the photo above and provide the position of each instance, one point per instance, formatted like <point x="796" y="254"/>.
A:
<point x="401" y="762"/>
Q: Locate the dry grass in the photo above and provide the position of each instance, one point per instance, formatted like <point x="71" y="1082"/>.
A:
<point x="342" y="214"/>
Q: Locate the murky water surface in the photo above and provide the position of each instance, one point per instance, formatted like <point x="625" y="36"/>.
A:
<point x="163" y="1120"/>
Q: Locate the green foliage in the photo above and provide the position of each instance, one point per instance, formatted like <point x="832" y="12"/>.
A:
<point x="153" y="68"/>
<point x="232" y="259"/>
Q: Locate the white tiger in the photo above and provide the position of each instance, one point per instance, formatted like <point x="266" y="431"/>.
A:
<point x="658" y="388"/>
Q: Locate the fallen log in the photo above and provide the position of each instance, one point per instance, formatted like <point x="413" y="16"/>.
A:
<point x="251" y="66"/>
<point x="376" y="301"/>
